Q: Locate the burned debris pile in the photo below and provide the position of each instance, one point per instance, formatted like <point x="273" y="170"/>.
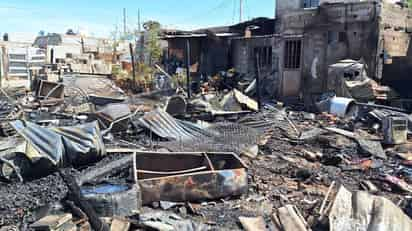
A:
<point x="75" y="157"/>
<point x="301" y="122"/>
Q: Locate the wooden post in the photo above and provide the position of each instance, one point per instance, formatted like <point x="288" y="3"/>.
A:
<point x="133" y="66"/>
<point x="188" y="67"/>
<point x="82" y="42"/>
<point x="257" y="71"/>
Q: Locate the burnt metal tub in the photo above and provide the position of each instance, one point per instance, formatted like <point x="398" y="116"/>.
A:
<point x="192" y="177"/>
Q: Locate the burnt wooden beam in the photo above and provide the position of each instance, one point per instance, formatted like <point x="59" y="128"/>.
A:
<point x="188" y="67"/>
<point x="82" y="203"/>
<point x="257" y="71"/>
<point x="133" y="65"/>
<point x="98" y="173"/>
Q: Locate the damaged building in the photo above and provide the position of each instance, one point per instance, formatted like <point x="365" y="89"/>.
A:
<point x="306" y="38"/>
<point x="212" y="49"/>
<point x="375" y="32"/>
<point x="18" y="61"/>
<point x="141" y="149"/>
<point x="77" y="53"/>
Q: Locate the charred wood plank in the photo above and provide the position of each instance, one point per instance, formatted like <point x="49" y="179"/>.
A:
<point x="82" y="203"/>
<point x="96" y="174"/>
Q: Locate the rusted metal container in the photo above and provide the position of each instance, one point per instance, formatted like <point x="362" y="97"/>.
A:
<point x="192" y="177"/>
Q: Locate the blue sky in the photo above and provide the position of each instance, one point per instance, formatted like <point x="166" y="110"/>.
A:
<point x="23" y="19"/>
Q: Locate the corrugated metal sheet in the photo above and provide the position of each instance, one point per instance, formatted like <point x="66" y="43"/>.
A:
<point x="63" y="146"/>
<point x="190" y="137"/>
<point x="165" y="126"/>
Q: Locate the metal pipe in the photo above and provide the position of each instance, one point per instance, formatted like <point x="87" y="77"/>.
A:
<point x="382" y="107"/>
<point x="163" y="71"/>
<point x="52" y="91"/>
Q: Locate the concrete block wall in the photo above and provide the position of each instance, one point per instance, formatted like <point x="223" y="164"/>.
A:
<point x="243" y="56"/>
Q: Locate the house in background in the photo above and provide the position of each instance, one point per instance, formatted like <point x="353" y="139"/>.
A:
<point x="80" y="53"/>
<point x="311" y="39"/>
<point x="211" y="48"/>
<point x="307" y="36"/>
<point x="208" y="52"/>
<point x="18" y="62"/>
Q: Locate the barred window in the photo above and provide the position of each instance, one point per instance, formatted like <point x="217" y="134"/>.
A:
<point x="293" y="51"/>
<point x="310" y="3"/>
<point x="265" y="56"/>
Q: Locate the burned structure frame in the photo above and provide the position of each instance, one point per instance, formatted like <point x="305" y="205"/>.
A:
<point x="305" y="41"/>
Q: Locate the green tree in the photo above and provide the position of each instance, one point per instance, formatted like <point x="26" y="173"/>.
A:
<point x="152" y="45"/>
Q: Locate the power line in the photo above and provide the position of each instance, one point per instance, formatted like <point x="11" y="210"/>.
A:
<point x="222" y="4"/>
<point x="234" y="11"/>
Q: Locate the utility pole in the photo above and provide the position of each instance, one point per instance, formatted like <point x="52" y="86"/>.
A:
<point x="138" y="38"/>
<point x="139" y="22"/>
<point x="141" y="39"/>
<point x="240" y="10"/>
<point x="124" y="21"/>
